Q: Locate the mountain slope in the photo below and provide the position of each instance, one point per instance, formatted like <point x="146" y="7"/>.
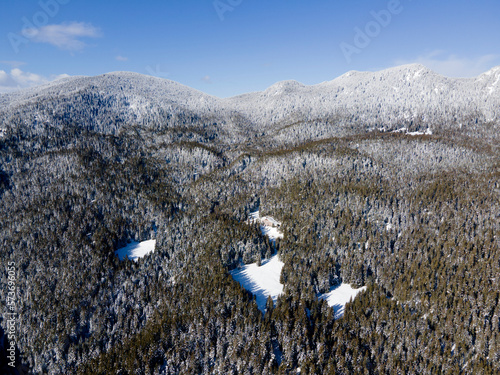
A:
<point x="402" y="94"/>
<point x="108" y="102"/>
<point x="405" y="95"/>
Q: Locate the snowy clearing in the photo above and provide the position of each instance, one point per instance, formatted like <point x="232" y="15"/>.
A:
<point x="136" y="250"/>
<point x="272" y="233"/>
<point x="263" y="281"/>
<point x="268" y="225"/>
<point x="339" y="296"/>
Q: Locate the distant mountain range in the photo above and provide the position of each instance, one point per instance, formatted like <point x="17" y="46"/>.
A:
<point x="404" y="96"/>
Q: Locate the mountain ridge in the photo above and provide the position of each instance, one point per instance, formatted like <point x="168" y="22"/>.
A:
<point x="390" y="98"/>
<point x="406" y="67"/>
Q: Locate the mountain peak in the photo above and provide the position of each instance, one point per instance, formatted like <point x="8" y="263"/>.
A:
<point x="409" y="70"/>
<point x="414" y="66"/>
<point x="492" y="72"/>
<point x="414" y="69"/>
<point x="283" y="87"/>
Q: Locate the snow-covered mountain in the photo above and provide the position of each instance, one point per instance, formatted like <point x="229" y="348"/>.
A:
<point x="138" y="92"/>
<point x="106" y="102"/>
<point x="407" y="92"/>
<point x="405" y="95"/>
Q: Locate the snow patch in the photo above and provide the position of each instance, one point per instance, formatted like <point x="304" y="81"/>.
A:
<point x="492" y="88"/>
<point x="263" y="281"/>
<point x="418" y="73"/>
<point x="405" y="131"/>
<point x="254" y="215"/>
<point x="271" y="232"/>
<point x="339" y="296"/>
<point x="268" y="225"/>
<point x="136" y="250"/>
<point x="427" y="132"/>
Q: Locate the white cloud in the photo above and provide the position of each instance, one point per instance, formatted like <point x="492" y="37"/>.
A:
<point x="26" y="79"/>
<point x="5" y="79"/>
<point x="207" y="79"/>
<point x="65" y="36"/>
<point x="18" y="79"/>
<point x="121" y="58"/>
<point x="454" y="66"/>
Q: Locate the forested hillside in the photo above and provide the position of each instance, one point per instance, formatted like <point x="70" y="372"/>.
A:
<point x="401" y="195"/>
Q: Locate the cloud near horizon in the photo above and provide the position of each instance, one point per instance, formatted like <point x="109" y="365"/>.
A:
<point x="65" y="36"/>
<point x="18" y="79"/>
<point x="455" y="66"/>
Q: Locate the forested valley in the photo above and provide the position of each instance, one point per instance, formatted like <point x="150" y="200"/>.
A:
<point x="413" y="217"/>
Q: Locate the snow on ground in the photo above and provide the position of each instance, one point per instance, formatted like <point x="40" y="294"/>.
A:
<point x="427" y="132"/>
<point x="136" y="250"/>
<point x="271" y="232"/>
<point x="263" y="281"/>
<point x="491" y="89"/>
<point x="405" y="131"/>
<point x="339" y="296"/>
<point x="254" y="216"/>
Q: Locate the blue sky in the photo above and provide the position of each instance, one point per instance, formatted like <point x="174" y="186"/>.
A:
<point x="229" y="47"/>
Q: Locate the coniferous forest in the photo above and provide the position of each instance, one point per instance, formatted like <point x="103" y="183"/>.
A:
<point x="413" y="215"/>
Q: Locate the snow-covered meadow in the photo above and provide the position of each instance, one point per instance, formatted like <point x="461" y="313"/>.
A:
<point x="339" y="296"/>
<point x="136" y="250"/>
<point x="263" y="281"/>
